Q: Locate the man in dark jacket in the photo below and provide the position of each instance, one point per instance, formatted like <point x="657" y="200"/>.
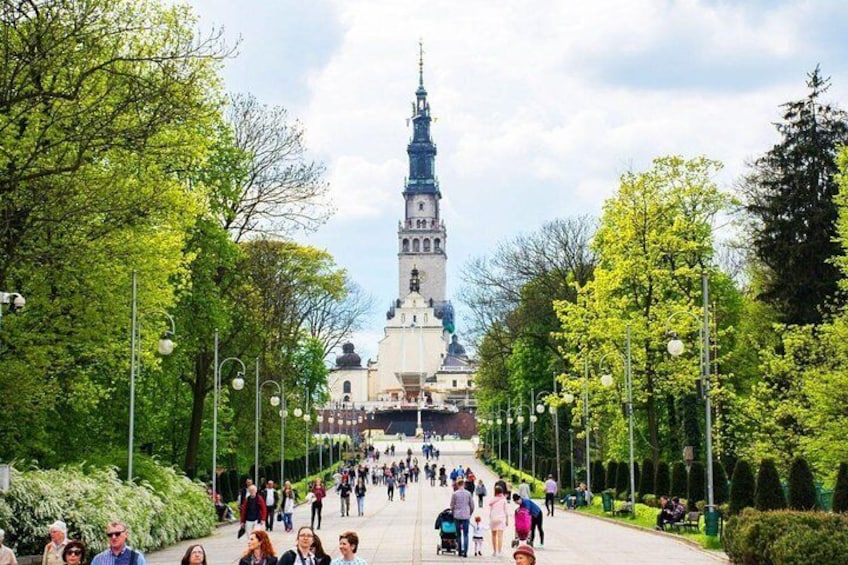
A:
<point x="252" y="510"/>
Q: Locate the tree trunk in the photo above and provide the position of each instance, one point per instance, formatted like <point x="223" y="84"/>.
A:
<point x="199" y="390"/>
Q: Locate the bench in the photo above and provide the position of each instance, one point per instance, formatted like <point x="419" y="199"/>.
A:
<point x="692" y="521"/>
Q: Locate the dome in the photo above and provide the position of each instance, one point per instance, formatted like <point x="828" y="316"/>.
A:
<point x="348" y="358"/>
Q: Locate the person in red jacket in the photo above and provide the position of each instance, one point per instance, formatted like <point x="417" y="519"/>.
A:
<point x="252" y="510"/>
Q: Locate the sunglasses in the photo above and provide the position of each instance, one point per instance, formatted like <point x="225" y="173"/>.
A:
<point x="115" y="534"/>
<point x="74" y="552"/>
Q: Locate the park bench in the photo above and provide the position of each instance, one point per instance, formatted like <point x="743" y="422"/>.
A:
<point x="691" y="521"/>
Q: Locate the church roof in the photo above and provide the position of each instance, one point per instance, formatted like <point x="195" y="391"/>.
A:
<point x="348" y="358"/>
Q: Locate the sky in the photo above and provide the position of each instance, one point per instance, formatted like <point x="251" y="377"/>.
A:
<point x="540" y="105"/>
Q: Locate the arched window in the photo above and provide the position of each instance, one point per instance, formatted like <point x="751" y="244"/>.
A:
<point x="426" y="246"/>
<point x="346" y="387"/>
<point x="420" y="205"/>
<point x="437" y="244"/>
<point x="406" y="246"/>
<point x="346" y="398"/>
<point x="416" y="246"/>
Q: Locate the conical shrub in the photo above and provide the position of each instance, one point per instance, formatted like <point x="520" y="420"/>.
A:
<point x="612" y="470"/>
<point x="802" y="488"/>
<point x="662" y="481"/>
<point x="696" y="485"/>
<point x="647" y="477"/>
<point x="769" y="494"/>
<point x="599" y="482"/>
<point x="719" y="482"/>
<point x="742" y="488"/>
<point x="622" y="478"/>
<point x="679" y="480"/>
<point x="636" y="476"/>
<point x="840" y="491"/>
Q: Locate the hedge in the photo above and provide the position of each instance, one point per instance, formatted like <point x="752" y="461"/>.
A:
<point x="163" y="508"/>
<point x="785" y="537"/>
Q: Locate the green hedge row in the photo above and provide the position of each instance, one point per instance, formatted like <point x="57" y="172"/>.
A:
<point x="786" y="537"/>
<point x="163" y="508"/>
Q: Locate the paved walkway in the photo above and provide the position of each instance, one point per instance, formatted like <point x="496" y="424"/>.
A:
<point x="401" y="532"/>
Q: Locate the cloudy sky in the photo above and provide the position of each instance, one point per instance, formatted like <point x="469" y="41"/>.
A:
<point x="540" y="104"/>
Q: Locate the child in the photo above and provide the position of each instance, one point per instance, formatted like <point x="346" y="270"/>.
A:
<point x="477" y="531"/>
<point x="523" y="522"/>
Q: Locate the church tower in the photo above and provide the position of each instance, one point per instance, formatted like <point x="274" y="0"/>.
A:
<point x="421" y="234"/>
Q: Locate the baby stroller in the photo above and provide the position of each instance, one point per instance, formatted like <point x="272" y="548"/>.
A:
<point x="447" y="532"/>
<point x="523" y="523"/>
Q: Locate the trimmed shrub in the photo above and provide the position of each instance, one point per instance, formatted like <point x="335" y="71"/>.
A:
<point x="840" y="491"/>
<point x="646" y="479"/>
<point x="636" y="476"/>
<point x="622" y="478"/>
<point x="679" y="480"/>
<point x="802" y="488"/>
<point x="662" y="480"/>
<point x="742" y="488"/>
<point x="785" y="537"/>
<point x="769" y="493"/>
<point x="612" y="470"/>
<point x="696" y="485"/>
<point x="599" y="483"/>
<point x="719" y="482"/>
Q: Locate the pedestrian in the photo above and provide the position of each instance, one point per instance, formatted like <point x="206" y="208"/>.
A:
<point x="498" y="520"/>
<point x="272" y="499"/>
<point x="402" y="480"/>
<point x="551" y="489"/>
<point x="7" y="556"/>
<point x="289" y="497"/>
<point x="259" y="550"/>
<point x="301" y="553"/>
<point x="390" y="486"/>
<point x="462" y="506"/>
<point x="344" y="491"/>
<point x="52" y="554"/>
<point x="74" y="553"/>
<point x="348" y="544"/>
<point x="318" y="494"/>
<point x="524" y="555"/>
<point x="524" y="488"/>
<point x="480" y="491"/>
<point x="359" y="492"/>
<point x="194" y="555"/>
<point x="243" y="491"/>
<point x="119" y="553"/>
<point x="535" y="515"/>
<point x="321" y="557"/>
<point x="477" y="533"/>
<point x="252" y="511"/>
<point x="502" y="483"/>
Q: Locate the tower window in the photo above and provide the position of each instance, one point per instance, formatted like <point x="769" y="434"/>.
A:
<point x="346" y="387"/>
<point x="421" y="206"/>
<point x="437" y="244"/>
<point x="406" y="246"/>
<point x="416" y="246"/>
<point x="426" y="246"/>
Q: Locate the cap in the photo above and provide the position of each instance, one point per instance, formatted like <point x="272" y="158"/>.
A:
<point x="524" y="549"/>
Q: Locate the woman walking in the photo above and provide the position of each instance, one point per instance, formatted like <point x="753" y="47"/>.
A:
<point x="498" y="520"/>
<point x="287" y="507"/>
<point x="359" y="492"/>
<point x="318" y="493"/>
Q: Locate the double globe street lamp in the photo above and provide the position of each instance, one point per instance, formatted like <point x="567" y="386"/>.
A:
<point x="217" y="386"/>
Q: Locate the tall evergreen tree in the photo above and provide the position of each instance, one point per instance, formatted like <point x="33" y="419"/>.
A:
<point x="622" y="477"/>
<point x="612" y="470"/>
<point x="598" y="479"/>
<point x="678" y="480"/>
<point x="840" y="491"/>
<point x="742" y="488"/>
<point x="802" y="488"/>
<point x="719" y="482"/>
<point x="662" y="482"/>
<point x="790" y="200"/>
<point x="769" y="493"/>
<point x="696" y="485"/>
<point x="646" y="482"/>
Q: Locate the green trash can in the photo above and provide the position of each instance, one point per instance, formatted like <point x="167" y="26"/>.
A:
<point x="711" y="519"/>
<point x="606" y="497"/>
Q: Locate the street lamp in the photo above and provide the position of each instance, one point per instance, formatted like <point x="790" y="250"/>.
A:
<point x="509" y="421"/>
<point x="216" y="388"/>
<point x="607" y="380"/>
<point x="166" y="347"/>
<point x="675" y="348"/>
<point x="13" y="301"/>
<point x="540" y="409"/>
<point x="569" y="398"/>
<point x="307" y="418"/>
<point x="520" y="420"/>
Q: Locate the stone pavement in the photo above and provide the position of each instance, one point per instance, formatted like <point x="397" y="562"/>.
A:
<point x="401" y="532"/>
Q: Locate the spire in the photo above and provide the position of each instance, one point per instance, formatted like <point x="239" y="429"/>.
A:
<point x="421" y="63"/>
<point x="421" y="149"/>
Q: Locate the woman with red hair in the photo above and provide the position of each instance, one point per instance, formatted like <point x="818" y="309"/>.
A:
<point x="259" y="550"/>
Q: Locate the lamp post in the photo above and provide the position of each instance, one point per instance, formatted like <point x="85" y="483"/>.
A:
<point x="320" y="417"/>
<point x="571" y="454"/>
<point x="675" y="348"/>
<point x="607" y="380"/>
<point x="331" y="420"/>
<point x="569" y="398"/>
<point x="166" y="347"/>
<point x="540" y="409"/>
<point x="499" y="422"/>
<point x="216" y="388"/>
<point x="14" y="302"/>
<point x="307" y="418"/>
<point x="509" y="421"/>
<point x="520" y="420"/>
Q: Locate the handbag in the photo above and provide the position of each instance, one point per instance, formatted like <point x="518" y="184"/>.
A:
<point x="280" y="516"/>
<point x="241" y="531"/>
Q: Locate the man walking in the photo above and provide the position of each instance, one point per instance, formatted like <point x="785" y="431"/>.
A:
<point x="551" y="489"/>
<point x="252" y="510"/>
<point x="119" y="553"/>
<point x="462" y="506"/>
<point x="272" y="499"/>
<point x="58" y="540"/>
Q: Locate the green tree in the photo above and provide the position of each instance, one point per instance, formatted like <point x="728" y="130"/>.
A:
<point x="696" y="485"/>
<point x="802" y="488"/>
<point x="622" y="477"/>
<point x="647" y="484"/>
<point x="679" y="480"/>
<point x="720" y="490"/>
<point x="790" y="200"/>
<point x="840" y="491"/>
<point x="742" y="487"/>
<point x="611" y="474"/>
<point x="769" y="494"/>
<point x="599" y="482"/>
<point x="662" y="483"/>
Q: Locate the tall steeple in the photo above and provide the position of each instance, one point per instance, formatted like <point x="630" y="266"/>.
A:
<point x="421" y="234"/>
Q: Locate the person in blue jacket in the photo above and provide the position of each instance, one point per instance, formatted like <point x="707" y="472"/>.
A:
<point x="535" y="514"/>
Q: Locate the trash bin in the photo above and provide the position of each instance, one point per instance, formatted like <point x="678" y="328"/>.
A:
<point x="711" y="519"/>
<point x="606" y="497"/>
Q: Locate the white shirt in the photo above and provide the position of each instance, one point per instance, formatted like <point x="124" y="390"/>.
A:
<point x="524" y="490"/>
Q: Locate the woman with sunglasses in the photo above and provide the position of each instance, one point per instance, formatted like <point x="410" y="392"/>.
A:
<point x="259" y="550"/>
<point x="74" y="553"/>
<point x="194" y="555"/>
